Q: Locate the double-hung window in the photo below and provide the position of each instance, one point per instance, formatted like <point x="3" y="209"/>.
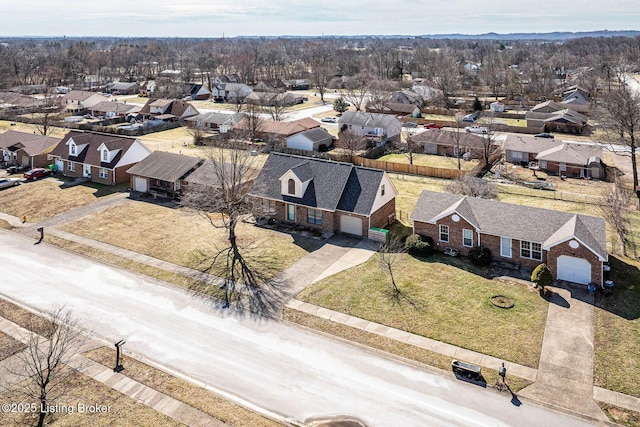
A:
<point x="531" y="250"/>
<point x="444" y="233"/>
<point x="467" y="237"/>
<point x="314" y="216"/>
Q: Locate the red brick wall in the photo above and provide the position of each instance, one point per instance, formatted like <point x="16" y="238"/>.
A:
<point x="75" y="174"/>
<point x="121" y="175"/>
<point x="572" y="171"/>
<point x="455" y="234"/>
<point x="581" y="252"/>
<point x="380" y="218"/>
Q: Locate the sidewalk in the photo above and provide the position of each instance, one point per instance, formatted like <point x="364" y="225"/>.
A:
<point x="141" y="393"/>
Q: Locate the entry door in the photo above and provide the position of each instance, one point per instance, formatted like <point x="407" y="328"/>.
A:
<point x="86" y="172"/>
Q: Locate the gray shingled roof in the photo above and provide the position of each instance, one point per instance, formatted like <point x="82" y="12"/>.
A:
<point x="519" y="222"/>
<point x="165" y="166"/>
<point x="90" y="154"/>
<point x="358" y="118"/>
<point x="333" y="185"/>
<point x="316" y="134"/>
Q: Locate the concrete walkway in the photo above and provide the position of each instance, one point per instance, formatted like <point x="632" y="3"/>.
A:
<point x="565" y="372"/>
<point x="339" y="253"/>
<point x="160" y="402"/>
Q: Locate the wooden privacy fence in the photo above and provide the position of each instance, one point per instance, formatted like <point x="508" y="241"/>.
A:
<point x="406" y="168"/>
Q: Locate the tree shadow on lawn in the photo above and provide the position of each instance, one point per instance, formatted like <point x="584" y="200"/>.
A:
<point x="624" y="298"/>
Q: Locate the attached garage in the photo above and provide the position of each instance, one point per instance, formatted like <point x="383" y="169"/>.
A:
<point x="59" y="165"/>
<point x="351" y="225"/>
<point x="571" y="269"/>
<point x="140" y="184"/>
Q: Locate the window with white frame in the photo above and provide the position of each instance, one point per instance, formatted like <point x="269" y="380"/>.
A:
<point x="268" y="206"/>
<point x="505" y="247"/>
<point x="531" y="250"/>
<point x="71" y="166"/>
<point x="563" y="167"/>
<point x="543" y="164"/>
<point x="105" y="155"/>
<point x="103" y="173"/>
<point x="444" y="233"/>
<point x="73" y="149"/>
<point x="314" y="216"/>
<point x="467" y="237"/>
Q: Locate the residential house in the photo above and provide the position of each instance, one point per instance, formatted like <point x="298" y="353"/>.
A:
<point x="78" y="101"/>
<point x="573" y="246"/>
<point x="566" y="120"/>
<point x="324" y="195"/>
<point x="26" y="149"/>
<point x="406" y="97"/>
<point x="297" y="84"/>
<point x="395" y="108"/>
<point x="283" y="99"/>
<point x="576" y="99"/>
<point x="162" y="173"/>
<point x="231" y="92"/>
<point x="277" y="131"/>
<point x="122" y="88"/>
<point x="168" y="109"/>
<point x="378" y="127"/>
<point x="199" y="92"/>
<point x="452" y="143"/>
<point x="98" y="157"/>
<point x="147" y="88"/>
<point x="496" y="107"/>
<point x="114" y="109"/>
<point x="310" y="140"/>
<point x="207" y="175"/>
<point x="226" y="78"/>
<point x="272" y="85"/>
<point x="428" y="91"/>
<point x="547" y="107"/>
<point x="221" y="122"/>
<point x="556" y="157"/>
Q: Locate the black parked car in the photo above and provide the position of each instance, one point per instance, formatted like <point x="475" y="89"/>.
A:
<point x="544" y="135"/>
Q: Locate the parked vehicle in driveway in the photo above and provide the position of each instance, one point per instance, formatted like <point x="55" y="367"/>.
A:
<point x="544" y="135"/>
<point x="410" y="125"/>
<point x="476" y="129"/>
<point x="433" y="126"/>
<point x="9" y="182"/>
<point x="36" y="173"/>
<point x="329" y="120"/>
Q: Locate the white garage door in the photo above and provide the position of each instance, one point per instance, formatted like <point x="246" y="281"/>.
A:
<point x="577" y="270"/>
<point x="351" y="225"/>
<point x="59" y="165"/>
<point x="140" y="184"/>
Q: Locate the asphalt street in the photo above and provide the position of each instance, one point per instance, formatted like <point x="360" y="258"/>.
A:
<point x="272" y="365"/>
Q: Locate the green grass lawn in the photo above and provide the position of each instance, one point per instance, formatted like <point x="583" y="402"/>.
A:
<point x="617" y="330"/>
<point x="442" y="301"/>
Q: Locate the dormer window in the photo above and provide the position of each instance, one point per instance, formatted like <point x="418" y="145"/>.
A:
<point x="73" y="149"/>
<point x="105" y="155"/>
<point x="291" y="186"/>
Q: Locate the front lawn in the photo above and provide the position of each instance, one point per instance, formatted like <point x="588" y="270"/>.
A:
<point x="617" y="330"/>
<point x="46" y="198"/>
<point x="442" y="299"/>
<point x="178" y="236"/>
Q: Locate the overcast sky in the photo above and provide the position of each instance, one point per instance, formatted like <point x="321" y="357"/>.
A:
<point x="215" y="18"/>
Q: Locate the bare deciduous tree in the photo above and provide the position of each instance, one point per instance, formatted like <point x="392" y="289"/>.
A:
<point x="43" y="364"/>
<point x="620" y="119"/>
<point x="389" y="257"/>
<point x="356" y="89"/>
<point x="197" y="132"/>
<point x="615" y="210"/>
<point x="470" y="185"/>
<point x="350" y="142"/>
<point x="247" y="275"/>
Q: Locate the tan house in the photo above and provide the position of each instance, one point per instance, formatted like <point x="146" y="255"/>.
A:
<point x="26" y="149"/>
<point x="78" y="101"/>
